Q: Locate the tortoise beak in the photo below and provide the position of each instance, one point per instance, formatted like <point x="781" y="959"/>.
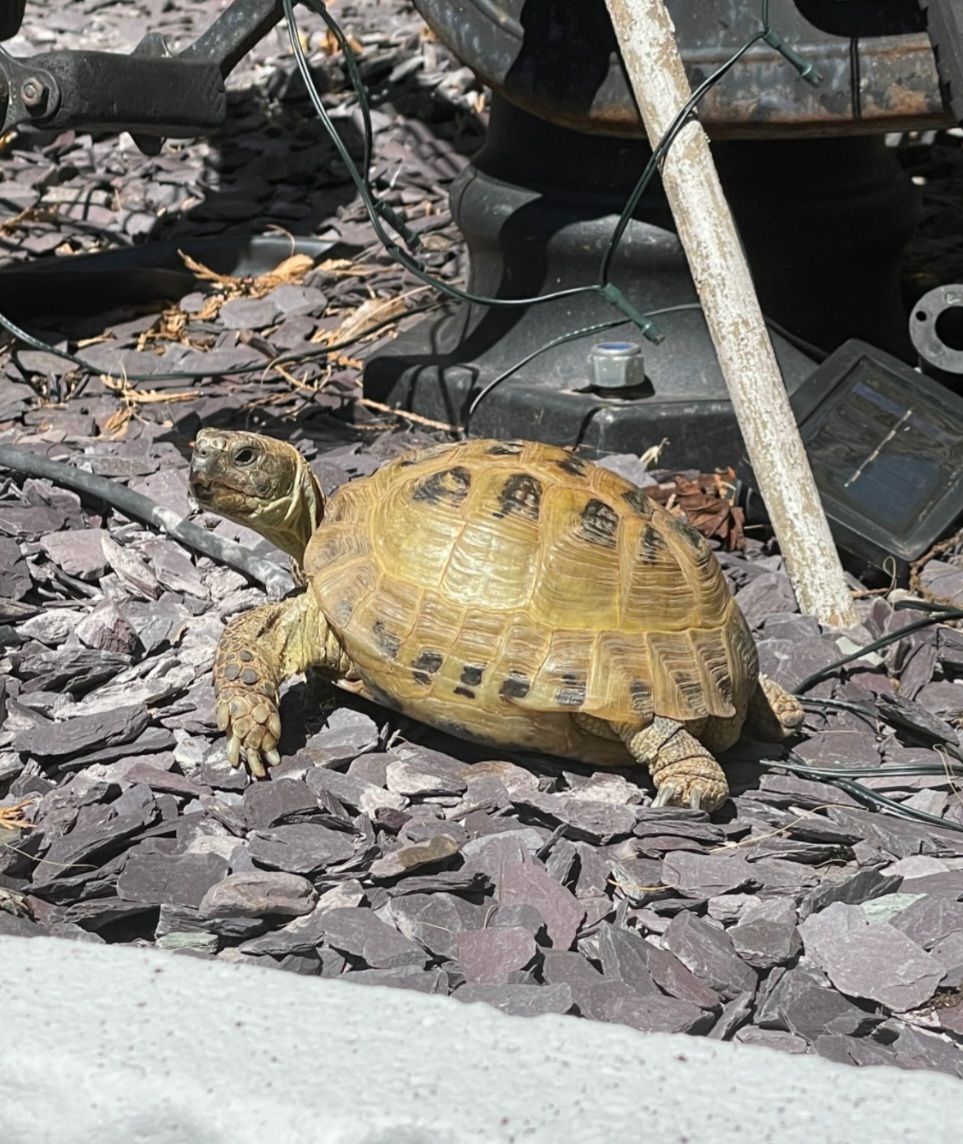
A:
<point x="206" y="461"/>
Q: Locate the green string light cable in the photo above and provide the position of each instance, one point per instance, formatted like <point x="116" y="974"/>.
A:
<point x="401" y="248"/>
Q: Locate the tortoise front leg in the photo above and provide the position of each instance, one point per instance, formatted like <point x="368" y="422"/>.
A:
<point x="683" y="771"/>
<point x="256" y="653"/>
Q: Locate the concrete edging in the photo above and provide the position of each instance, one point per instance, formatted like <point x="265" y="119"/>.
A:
<point x="108" y="1043"/>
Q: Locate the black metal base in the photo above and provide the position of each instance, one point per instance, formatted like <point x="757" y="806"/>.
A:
<point x="538" y="206"/>
<point x="689" y="408"/>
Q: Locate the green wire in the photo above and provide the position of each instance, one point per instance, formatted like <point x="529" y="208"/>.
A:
<point x="378" y="210"/>
<point x="375" y="209"/>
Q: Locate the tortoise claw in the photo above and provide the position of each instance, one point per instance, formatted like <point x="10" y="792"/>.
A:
<point x="674" y="794"/>
<point x="253" y="728"/>
<point x="666" y="794"/>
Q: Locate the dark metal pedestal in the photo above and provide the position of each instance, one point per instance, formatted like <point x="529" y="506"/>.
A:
<point x="537" y="207"/>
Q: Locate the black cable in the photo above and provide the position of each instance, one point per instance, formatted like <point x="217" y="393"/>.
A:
<point x="378" y="210"/>
<point x="570" y="336"/>
<point x="855" y="80"/>
<point x="603" y="286"/>
<point x="138" y="507"/>
<point x="938" y="613"/>
<point x="800" y="766"/>
<point x="659" y="152"/>
<point x="845" y="779"/>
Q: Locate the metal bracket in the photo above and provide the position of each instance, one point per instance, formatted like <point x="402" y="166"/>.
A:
<point x="150" y="93"/>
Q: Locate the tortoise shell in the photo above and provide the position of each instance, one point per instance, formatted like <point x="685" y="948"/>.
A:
<point x="494" y="588"/>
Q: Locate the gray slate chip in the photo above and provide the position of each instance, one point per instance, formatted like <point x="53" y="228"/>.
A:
<point x="414" y="856"/>
<point x="710" y="955"/>
<point x="14" y="925"/>
<point x="283" y="801"/>
<point x="847" y="1051"/>
<point x="96" y="829"/>
<point x="624" y="957"/>
<point x="916" y="1048"/>
<point x="763" y="943"/>
<point x="771" y="1039"/>
<point x="71" y="669"/>
<point x="257" y="894"/>
<point x="910" y="715"/>
<point x="895" y="836"/>
<point x="300" y="936"/>
<point x="57" y="740"/>
<point x="347" y="733"/>
<point x="15" y="579"/>
<point x="522" y="879"/>
<point x="931" y="919"/>
<point x="172" y="879"/>
<point x="79" y="552"/>
<point x="565" y="966"/>
<point x="528" y="883"/>
<point x="619" y="1004"/>
<point x="590" y="820"/>
<point x="301" y="848"/>
<point x="949" y="952"/>
<point x="413" y="977"/>
<point x="705" y="875"/>
<point x="851" y="889"/>
<point x="490" y="956"/>
<point x="801" y="1003"/>
<point x="879" y="963"/>
<point x="29" y="522"/>
<point x="519" y="1000"/>
<point x="433" y="920"/>
<point x="359" y="933"/>
<point x="735" y="1014"/>
<point x="353" y="791"/>
<point x="840" y="749"/>
<point x="673" y="978"/>
<point x="423" y="773"/>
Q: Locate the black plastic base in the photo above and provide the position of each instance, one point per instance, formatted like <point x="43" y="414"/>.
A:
<point x="823" y="223"/>
<point x="689" y="407"/>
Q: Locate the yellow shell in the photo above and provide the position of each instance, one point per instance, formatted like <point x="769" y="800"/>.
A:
<point x="493" y="588"/>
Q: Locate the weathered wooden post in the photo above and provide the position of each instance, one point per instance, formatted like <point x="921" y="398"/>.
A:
<point x="647" y="40"/>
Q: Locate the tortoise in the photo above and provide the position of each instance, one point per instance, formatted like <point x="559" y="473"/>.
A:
<point x="506" y="592"/>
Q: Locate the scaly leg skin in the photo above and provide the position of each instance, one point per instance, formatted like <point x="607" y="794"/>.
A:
<point x="683" y="770"/>
<point x="773" y="713"/>
<point x="257" y="651"/>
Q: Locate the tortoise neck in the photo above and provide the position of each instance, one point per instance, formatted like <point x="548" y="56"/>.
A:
<point x="301" y="514"/>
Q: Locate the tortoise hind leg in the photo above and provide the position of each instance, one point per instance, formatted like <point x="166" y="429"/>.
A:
<point x="683" y="771"/>
<point x="773" y="712"/>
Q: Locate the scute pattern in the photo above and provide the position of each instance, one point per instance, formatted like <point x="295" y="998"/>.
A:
<point x="485" y="578"/>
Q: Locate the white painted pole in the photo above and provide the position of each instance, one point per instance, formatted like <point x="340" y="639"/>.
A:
<point x="647" y="40"/>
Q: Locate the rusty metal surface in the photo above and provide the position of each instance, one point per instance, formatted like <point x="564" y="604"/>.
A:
<point x="558" y="59"/>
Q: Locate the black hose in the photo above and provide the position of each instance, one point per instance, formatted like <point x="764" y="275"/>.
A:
<point x="271" y="576"/>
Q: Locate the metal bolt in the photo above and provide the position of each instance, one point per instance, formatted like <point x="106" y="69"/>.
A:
<point x="34" y="93"/>
<point x="617" y="365"/>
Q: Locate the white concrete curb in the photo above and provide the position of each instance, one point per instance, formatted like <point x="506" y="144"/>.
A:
<point x="105" y="1044"/>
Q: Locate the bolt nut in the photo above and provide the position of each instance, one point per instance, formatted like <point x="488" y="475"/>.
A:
<point x="617" y="365"/>
<point x="34" y="93"/>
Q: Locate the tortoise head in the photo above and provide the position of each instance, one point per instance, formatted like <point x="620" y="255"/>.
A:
<point x="259" y="482"/>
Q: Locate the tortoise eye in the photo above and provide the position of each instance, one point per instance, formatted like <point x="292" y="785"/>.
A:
<point x="245" y="456"/>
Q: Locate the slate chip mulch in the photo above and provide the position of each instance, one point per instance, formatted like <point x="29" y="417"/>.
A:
<point x="381" y="852"/>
